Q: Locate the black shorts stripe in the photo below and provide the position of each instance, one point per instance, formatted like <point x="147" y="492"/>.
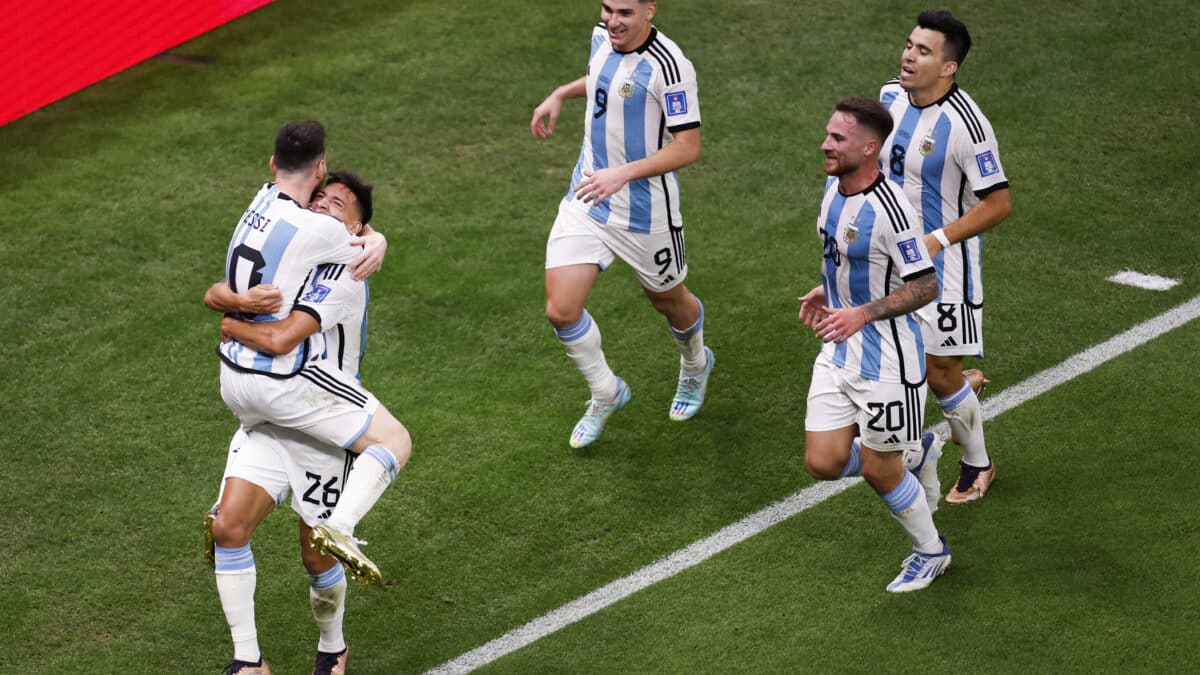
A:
<point x="332" y="385"/>
<point x="915" y="413"/>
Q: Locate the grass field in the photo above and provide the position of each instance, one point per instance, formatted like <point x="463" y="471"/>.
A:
<point x="117" y="206"/>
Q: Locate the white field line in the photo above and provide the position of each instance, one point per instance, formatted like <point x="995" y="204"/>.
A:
<point x="816" y="493"/>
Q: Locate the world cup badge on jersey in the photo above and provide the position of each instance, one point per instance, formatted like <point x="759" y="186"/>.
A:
<point x="926" y="146"/>
<point x="851" y="234"/>
<point x="626" y="89"/>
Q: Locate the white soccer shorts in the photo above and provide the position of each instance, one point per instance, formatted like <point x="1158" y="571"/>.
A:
<point x="658" y="258"/>
<point x="952" y="329"/>
<point x="889" y="414"/>
<point x="286" y="462"/>
<point x="320" y="400"/>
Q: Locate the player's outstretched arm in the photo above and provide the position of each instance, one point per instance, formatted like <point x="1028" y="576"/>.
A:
<point x="547" y="112"/>
<point x="261" y="299"/>
<point x="271" y="337"/>
<point x="841" y="324"/>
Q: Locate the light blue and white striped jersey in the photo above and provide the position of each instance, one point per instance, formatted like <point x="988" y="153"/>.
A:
<point x="873" y="244"/>
<point x="635" y="101"/>
<point x="339" y="303"/>
<point x="946" y="157"/>
<point x="278" y="242"/>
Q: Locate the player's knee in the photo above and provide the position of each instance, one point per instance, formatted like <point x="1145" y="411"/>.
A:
<point x="821" y="467"/>
<point x="562" y="316"/>
<point x="229" y="532"/>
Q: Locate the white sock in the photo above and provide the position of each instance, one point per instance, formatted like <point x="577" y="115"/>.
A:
<point x="964" y="414"/>
<point x="373" y="471"/>
<point x="327" y="596"/>
<point x="910" y="509"/>
<point x="236" y="581"/>
<point x="582" y="342"/>
<point x="692" y="360"/>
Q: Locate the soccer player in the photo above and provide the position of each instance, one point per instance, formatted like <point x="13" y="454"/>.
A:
<point x="869" y="374"/>
<point x="268" y="463"/>
<point x="944" y="154"/>
<point x="641" y="124"/>
<point x="278" y="241"/>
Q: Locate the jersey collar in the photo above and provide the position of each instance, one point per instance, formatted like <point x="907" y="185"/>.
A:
<point x="645" y="45"/>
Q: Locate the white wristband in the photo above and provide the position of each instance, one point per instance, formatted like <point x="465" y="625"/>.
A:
<point x="940" y="235"/>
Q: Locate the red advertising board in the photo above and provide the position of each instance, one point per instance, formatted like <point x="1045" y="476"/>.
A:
<point x="51" y="48"/>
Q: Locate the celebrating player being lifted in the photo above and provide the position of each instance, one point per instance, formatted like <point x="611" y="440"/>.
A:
<point x="278" y="241"/>
<point x="641" y="124"/>
<point x="269" y="462"/>
<point x="869" y="374"/>
<point x="944" y="155"/>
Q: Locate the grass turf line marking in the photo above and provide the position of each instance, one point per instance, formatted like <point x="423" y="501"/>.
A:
<point x="1150" y="282"/>
<point x="810" y="496"/>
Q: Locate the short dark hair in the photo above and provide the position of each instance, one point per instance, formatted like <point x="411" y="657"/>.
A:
<point x="869" y="113"/>
<point x="958" y="40"/>
<point x="357" y="185"/>
<point x="299" y="144"/>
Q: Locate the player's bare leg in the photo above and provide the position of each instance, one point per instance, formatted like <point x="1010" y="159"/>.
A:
<point x="384" y="448"/>
<point x="685" y="316"/>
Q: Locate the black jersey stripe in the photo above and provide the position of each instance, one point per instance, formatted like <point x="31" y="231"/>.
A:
<point x="667" y="61"/>
<point x="964" y="110"/>
<point x="891" y="206"/>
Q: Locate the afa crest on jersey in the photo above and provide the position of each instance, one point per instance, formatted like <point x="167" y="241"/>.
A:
<point x="851" y="234"/>
<point x="316" y="295"/>
<point x="626" y="89"/>
<point x="926" y="146"/>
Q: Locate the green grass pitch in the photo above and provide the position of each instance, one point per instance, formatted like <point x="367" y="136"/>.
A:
<point x="118" y="201"/>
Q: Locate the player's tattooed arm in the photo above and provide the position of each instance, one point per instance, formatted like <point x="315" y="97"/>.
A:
<point x="840" y="324"/>
<point x="912" y="295"/>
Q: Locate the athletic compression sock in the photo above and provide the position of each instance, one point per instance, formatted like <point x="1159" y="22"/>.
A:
<point x="582" y="342"/>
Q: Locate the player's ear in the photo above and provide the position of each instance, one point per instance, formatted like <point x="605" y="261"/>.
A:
<point x="949" y="68"/>
<point x="272" y="164"/>
<point x="321" y="169"/>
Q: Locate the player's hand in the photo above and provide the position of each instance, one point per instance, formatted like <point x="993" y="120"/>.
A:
<point x="370" y="260"/>
<point x="812" y="306"/>
<point x="933" y="245"/>
<point x="226" y="324"/>
<point x="597" y="186"/>
<point x="263" y="299"/>
<point x="840" y="324"/>
<point x="545" y="116"/>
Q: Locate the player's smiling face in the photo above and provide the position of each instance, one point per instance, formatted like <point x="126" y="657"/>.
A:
<point x="843" y="146"/>
<point x="628" y="22"/>
<point x="923" y="62"/>
<point x="338" y="201"/>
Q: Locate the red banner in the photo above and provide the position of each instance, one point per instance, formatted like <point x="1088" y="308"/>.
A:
<point x="51" y="48"/>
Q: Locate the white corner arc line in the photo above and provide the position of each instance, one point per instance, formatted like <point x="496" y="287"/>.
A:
<point x="810" y="496"/>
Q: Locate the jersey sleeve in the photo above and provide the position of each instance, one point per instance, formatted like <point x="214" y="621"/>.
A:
<point x="329" y="241"/>
<point x="905" y="243"/>
<point x="681" y="99"/>
<point x="980" y="161"/>
<point x="331" y="297"/>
